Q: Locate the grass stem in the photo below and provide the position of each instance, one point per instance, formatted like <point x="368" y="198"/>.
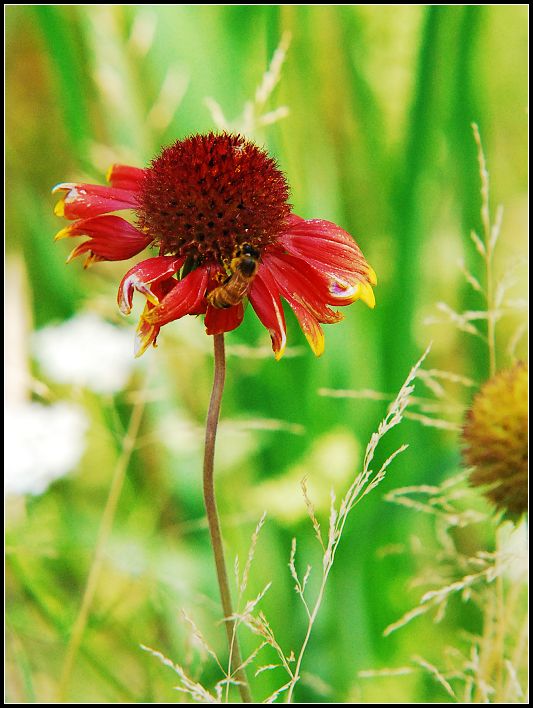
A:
<point x="104" y="531"/>
<point x="490" y="236"/>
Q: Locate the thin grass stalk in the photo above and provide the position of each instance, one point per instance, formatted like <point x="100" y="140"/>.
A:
<point x="212" y="515"/>
<point x="490" y="235"/>
<point x="104" y="532"/>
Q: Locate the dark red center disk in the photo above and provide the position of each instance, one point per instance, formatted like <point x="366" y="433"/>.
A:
<point x="207" y="194"/>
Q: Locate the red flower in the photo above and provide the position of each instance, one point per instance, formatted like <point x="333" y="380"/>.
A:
<point x="215" y="207"/>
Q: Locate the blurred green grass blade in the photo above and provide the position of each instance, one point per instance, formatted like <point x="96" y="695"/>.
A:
<point x="465" y="109"/>
<point x="40" y="600"/>
<point x="46" y="269"/>
<point x="22" y="662"/>
<point x="71" y="80"/>
<point x="417" y="154"/>
<point x="364" y="106"/>
<point x="413" y="201"/>
<point x="120" y="92"/>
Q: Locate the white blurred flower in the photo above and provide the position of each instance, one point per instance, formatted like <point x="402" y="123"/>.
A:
<point x="86" y="351"/>
<point x="43" y="443"/>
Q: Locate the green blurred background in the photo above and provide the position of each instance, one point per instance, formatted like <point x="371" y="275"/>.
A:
<point x="378" y="140"/>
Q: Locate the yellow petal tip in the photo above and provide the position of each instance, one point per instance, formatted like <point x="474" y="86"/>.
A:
<point x="142" y="342"/>
<point x="64" y="233"/>
<point x="316" y="342"/>
<point x="367" y="295"/>
<point x="278" y="354"/>
<point x="59" y="209"/>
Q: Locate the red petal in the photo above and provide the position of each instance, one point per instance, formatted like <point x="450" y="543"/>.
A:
<point x="125" y="177"/>
<point x="264" y="298"/>
<point x="320" y="228"/>
<point x="111" y="238"/>
<point x="219" y="320"/>
<point x="215" y="276"/>
<point x="144" y="276"/>
<point x="184" y="298"/>
<point x="334" y="254"/>
<point x="299" y="282"/>
<point x="310" y="327"/>
<point x="146" y="333"/>
<point x="82" y="200"/>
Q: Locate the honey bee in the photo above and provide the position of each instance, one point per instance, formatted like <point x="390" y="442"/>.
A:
<point x="233" y="290"/>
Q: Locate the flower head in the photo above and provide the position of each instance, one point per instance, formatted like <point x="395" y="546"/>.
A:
<point x="216" y="208"/>
<point x="495" y="437"/>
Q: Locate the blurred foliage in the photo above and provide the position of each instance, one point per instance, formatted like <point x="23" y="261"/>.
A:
<point x="378" y="140"/>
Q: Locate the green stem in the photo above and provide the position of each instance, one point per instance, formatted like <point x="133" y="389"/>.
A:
<point x="212" y="516"/>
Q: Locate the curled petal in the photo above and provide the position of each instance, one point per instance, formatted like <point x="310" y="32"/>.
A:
<point x="185" y="298"/>
<point x="264" y="298"/>
<point x="111" y="238"/>
<point x="147" y="333"/>
<point x="143" y="277"/>
<point x="124" y="177"/>
<point x="218" y="320"/>
<point x="363" y="290"/>
<point x="333" y="253"/>
<point x="344" y="292"/>
<point x="84" y="200"/>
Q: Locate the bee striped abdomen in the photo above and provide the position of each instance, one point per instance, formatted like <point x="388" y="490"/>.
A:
<point x="235" y="288"/>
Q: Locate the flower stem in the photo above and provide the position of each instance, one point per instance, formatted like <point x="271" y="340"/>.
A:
<point x="212" y="516"/>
